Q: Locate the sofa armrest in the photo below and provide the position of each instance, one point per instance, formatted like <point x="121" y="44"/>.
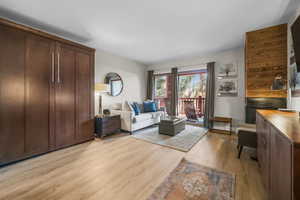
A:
<point x="126" y="119"/>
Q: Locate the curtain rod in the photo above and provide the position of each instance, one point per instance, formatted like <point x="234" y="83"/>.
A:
<point x="191" y="65"/>
<point x="181" y="66"/>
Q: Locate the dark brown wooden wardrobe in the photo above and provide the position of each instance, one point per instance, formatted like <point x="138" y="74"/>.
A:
<point x="46" y="92"/>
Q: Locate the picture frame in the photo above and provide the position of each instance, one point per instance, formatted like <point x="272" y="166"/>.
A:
<point x="228" y="70"/>
<point x="227" y="88"/>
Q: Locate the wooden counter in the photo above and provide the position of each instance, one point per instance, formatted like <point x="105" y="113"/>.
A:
<point x="288" y="123"/>
<point x="278" y="153"/>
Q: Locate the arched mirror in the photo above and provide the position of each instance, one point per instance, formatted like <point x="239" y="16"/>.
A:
<point x="115" y="83"/>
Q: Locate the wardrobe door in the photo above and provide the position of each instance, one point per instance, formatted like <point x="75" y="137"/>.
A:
<point x="12" y="48"/>
<point x="65" y="95"/>
<point x="39" y="80"/>
<point x="84" y="95"/>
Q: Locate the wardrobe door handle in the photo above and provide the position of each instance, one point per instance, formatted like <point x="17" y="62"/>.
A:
<point x="58" y="68"/>
<point x="52" y="70"/>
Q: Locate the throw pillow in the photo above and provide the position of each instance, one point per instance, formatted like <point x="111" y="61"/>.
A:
<point x="150" y="106"/>
<point x="136" y="108"/>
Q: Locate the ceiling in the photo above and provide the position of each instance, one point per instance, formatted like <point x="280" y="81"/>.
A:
<point x="151" y="31"/>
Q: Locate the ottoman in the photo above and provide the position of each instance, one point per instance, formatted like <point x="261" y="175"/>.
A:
<point x="171" y="125"/>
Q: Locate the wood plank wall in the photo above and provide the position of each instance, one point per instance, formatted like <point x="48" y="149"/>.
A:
<point x="265" y="56"/>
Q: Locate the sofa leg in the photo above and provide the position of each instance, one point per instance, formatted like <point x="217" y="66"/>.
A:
<point x="240" y="151"/>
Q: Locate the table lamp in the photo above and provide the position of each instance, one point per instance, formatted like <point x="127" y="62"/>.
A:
<point x="99" y="89"/>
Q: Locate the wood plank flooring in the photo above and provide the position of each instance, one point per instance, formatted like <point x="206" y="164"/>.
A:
<point x="122" y="168"/>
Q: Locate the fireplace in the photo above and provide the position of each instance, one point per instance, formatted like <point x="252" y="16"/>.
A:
<point x="252" y="104"/>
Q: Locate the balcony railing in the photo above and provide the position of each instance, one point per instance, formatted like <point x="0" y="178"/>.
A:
<point x="199" y="104"/>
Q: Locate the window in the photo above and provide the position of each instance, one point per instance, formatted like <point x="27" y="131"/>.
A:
<point x="160" y="84"/>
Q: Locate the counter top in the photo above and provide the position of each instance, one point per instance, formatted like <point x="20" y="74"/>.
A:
<point x="288" y="123"/>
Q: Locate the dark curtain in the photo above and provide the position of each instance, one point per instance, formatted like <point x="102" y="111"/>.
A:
<point x="174" y="91"/>
<point x="150" y="85"/>
<point x="210" y="95"/>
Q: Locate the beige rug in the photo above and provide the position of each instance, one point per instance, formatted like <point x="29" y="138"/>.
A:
<point x="190" y="181"/>
<point x="183" y="141"/>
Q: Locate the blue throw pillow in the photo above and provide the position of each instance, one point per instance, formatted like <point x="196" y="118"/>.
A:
<point x="150" y="106"/>
<point x="136" y="108"/>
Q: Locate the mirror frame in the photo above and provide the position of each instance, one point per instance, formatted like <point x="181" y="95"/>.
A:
<point x="106" y="81"/>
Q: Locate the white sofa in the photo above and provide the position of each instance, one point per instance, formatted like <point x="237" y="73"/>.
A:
<point x="131" y="122"/>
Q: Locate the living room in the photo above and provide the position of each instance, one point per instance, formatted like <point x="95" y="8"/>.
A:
<point x="150" y="100"/>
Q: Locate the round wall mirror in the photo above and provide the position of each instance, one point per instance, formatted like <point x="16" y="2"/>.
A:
<point x="115" y="83"/>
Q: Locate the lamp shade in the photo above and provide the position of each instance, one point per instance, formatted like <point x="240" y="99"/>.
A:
<point x="101" y="87"/>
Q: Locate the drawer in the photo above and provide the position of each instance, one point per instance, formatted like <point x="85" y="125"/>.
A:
<point x="112" y="123"/>
<point x="110" y="130"/>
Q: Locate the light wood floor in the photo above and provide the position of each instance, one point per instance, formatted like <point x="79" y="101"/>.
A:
<point x="122" y="168"/>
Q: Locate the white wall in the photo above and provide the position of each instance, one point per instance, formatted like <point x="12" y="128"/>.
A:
<point x="293" y="102"/>
<point x="224" y="106"/>
<point x="132" y="73"/>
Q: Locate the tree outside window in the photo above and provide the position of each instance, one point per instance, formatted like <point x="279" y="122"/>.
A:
<point x="160" y="86"/>
<point x="192" y="85"/>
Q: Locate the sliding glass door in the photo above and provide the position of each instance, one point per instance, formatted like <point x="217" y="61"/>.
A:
<point x="191" y="92"/>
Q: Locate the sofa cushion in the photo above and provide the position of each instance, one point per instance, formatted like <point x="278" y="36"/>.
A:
<point x="140" y="105"/>
<point x="142" y="117"/>
<point x="246" y="127"/>
<point x="149" y="106"/>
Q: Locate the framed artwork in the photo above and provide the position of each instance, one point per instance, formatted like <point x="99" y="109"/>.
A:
<point x="227" y="88"/>
<point x="228" y="70"/>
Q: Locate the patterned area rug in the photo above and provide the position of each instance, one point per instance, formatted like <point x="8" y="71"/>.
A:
<point x="183" y="141"/>
<point x="191" y="181"/>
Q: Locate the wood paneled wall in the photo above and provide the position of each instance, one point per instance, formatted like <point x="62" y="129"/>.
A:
<point x="265" y="56"/>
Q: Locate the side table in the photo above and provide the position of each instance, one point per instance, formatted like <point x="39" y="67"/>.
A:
<point x="107" y="124"/>
<point x="225" y="120"/>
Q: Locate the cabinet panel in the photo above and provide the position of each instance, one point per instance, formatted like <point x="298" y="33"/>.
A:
<point x="281" y="167"/>
<point x="259" y="130"/>
<point x="39" y="74"/>
<point x="84" y="116"/>
<point x="38" y="92"/>
<point x="12" y="48"/>
<point x="263" y="149"/>
<point x="65" y="96"/>
<point x="296" y="173"/>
